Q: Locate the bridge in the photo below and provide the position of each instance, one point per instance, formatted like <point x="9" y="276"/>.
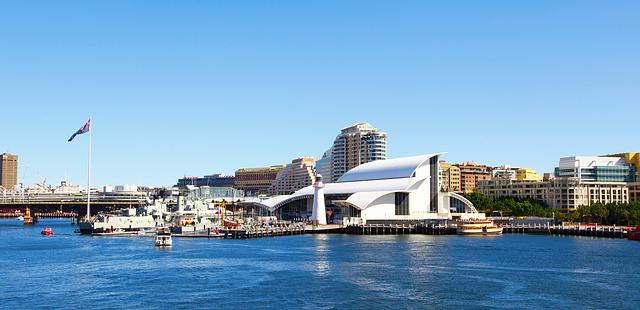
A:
<point x="70" y="202"/>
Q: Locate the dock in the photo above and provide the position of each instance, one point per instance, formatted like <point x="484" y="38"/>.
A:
<point x="264" y="232"/>
<point x="399" y="229"/>
<point x="603" y="231"/>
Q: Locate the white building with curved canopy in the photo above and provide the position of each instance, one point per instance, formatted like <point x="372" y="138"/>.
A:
<point x="402" y="189"/>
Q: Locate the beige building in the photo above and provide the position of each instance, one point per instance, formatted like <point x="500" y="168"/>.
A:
<point x="565" y="194"/>
<point x="526" y="174"/>
<point x="449" y="177"/>
<point x="470" y="174"/>
<point x="9" y="171"/>
<point x="634" y="191"/>
<point x="634" y="187"/>
<point x="356" y="145"/>
<point x="298" y="174"/>
<point x="256" y="181"/>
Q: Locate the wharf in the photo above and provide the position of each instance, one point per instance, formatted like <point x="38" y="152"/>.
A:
<point x="198" y="235"/>
<point x="118" y="233"/>
<point x="619" y="232"/>
<point x="56" y="214"/>
<point x="399" y="229"/>
<point x="263" y="232"/>
<point x="11" y="214"/>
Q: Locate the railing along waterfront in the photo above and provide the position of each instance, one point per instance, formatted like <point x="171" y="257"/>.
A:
<point x="400" y="229"/>
<point x="263" y="232"/>
<point x="594" y="230"/>
<point x="69" y="198"/>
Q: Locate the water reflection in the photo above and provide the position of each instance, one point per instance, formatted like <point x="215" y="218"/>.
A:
<point x="316" y="271"/>
<point x="321" y="248"/>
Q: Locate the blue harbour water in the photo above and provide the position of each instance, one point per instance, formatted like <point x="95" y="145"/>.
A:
<point x="315" y="271"/>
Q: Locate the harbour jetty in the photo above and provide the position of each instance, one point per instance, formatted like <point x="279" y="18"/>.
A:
<point x="265" y="231"/>
<point x="591" y="230"/>
<point x="400" y="229"/>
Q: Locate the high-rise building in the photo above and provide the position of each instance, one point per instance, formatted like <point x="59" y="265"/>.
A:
<point x="9" y="171"/>
<point x="256" y="181"/>
<point x="323" y="166"/>
<point x="356" y="145"/>
<point x="450" y="177"/>
<point x="470" y="174"/>
<point x="298" y="174"/>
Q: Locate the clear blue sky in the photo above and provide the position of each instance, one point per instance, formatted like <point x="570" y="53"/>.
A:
<point x="199" y="87"/>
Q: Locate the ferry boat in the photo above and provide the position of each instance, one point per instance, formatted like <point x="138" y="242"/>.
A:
<point x="163" y="237"/>
<point x="479" y="227"/>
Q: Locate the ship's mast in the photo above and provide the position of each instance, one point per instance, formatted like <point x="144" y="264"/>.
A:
<point x="89" y="172"/>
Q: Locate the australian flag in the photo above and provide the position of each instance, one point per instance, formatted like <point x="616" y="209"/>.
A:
<point x="84" y="129"/>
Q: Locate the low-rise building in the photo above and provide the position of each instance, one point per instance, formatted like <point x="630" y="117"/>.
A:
<point x="298" y="174"/>
<point x="449" y="177"/>
<point x="526" y="174"/>
<point x="634" y="160"/>
<point x="566" y="194"/>
<point x="504" y="172"/>
<point x="634" y="191"/>
<point x="256" y="181"/>
<point x="213" y="180"/>
<point x="578" y="181"/>
<point x="470" y="174"/>
<point x="596" y="169"/>
<point x="217" y="193"/>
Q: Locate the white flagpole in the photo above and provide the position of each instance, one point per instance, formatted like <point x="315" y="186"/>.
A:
<point x="89" y="172"/>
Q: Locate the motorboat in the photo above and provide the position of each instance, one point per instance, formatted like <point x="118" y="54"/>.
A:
<point x="163" y="237"/>
<point x="479" y="227"/>
<point x="47" y="231"/>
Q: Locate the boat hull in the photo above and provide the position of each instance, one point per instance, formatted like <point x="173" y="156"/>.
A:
<point x="483" y="233"/>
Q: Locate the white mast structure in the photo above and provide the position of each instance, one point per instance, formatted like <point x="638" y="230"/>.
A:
<point x="89" y="172"/>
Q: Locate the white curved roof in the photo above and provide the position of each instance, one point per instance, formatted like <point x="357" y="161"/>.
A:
<point x="392" y="185"/>
<point x="363" y="186"/>
<point x="386" y="169"/>
<point x="363" y="200"/>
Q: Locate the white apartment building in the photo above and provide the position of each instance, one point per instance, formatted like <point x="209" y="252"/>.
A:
<point x="356" y="145"/>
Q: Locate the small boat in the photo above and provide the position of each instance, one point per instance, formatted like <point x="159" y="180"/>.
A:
<point x="47" y="231"/>
<point x="479" y="227"/>
<point x="21" y="218"/>
<point x="163" y="237"/>
<point x="634" y="234"/>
